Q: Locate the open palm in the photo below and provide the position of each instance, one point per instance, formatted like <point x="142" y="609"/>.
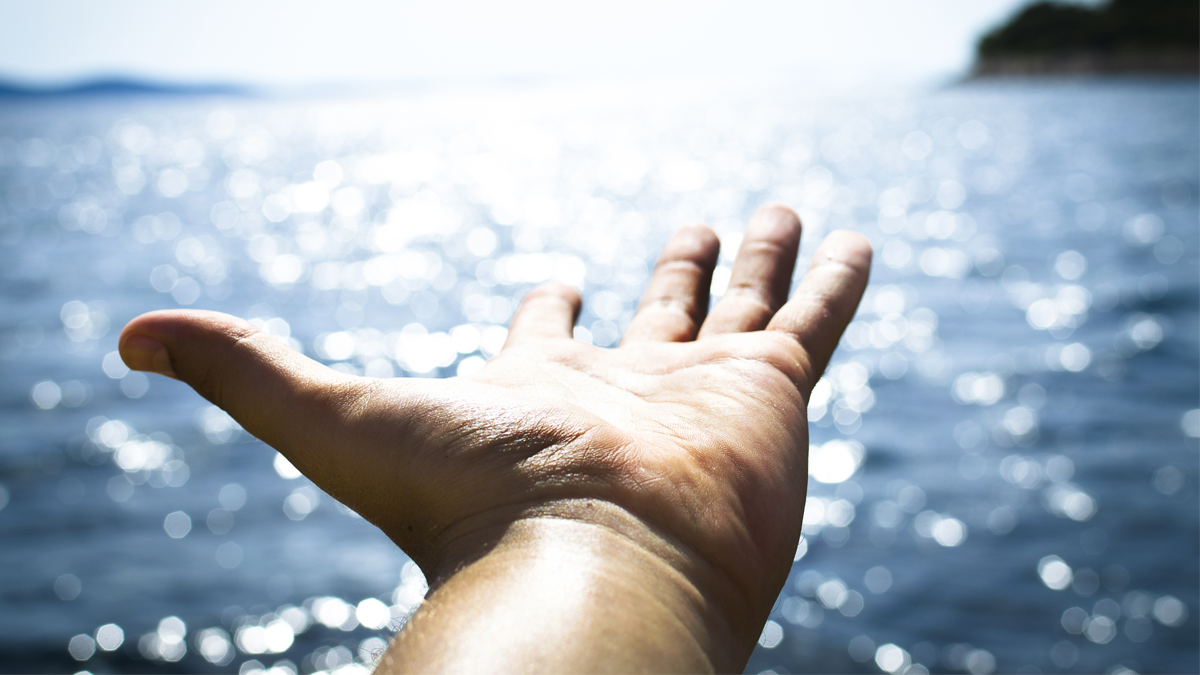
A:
<point x="694" y="427"/>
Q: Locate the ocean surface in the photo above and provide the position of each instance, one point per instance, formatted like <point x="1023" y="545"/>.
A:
<point x="1005" y="457"/>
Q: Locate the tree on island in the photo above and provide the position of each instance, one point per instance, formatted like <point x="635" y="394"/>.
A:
<point x="1119" y="36"/>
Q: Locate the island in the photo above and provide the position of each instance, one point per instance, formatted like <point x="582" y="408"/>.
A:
<point x="1117" y="37"/>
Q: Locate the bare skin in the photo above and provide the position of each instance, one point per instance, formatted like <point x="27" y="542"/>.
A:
<point x="576" y="509"/>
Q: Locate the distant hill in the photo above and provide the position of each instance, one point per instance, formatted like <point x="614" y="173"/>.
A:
<point x="1121" y="36"/>
<point x="117" y="87"/>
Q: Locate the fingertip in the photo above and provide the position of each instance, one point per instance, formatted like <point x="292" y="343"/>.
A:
<point x="775" y="225"/>
<point x="166" y="324"/>
<point x="144" y="353"/>
<point x="776" y="216"/>
<point x="146" y="342"/>
<point x="780" y="209"/>
<point x="548" y="310"/>
<point x="846" y="247"/>
<point x="697" y="231"/>
<point x="143" y="323"/>
<point x="696" y="242"/>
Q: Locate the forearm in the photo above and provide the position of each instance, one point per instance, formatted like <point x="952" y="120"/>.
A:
<point x="588" y="592"/>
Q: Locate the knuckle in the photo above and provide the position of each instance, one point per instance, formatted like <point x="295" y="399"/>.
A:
<point x="677" y="309"/>
<point x="682" y="265"/>
<point x="767" y="248"/>
<point x="554" y="290"/>
<point x="793" y="360"/>
<point x="750" y="293"/>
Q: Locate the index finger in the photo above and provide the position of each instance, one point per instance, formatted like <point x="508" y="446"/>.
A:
<point x="827" y="297"/>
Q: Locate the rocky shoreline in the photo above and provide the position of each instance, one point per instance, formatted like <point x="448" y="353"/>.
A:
<point x="1166" y="63"/>
<point x="1120" y="37"/>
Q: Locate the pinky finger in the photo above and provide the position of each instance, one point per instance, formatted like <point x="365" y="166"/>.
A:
<point x="548" y="311"/>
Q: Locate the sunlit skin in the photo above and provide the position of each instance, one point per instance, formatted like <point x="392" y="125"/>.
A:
<point x="575" y="509"/>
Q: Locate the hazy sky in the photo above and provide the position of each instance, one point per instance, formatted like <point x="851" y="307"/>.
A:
<point x="304" y="41"/>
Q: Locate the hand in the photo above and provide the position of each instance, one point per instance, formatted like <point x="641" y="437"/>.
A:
<point x="574" y="508"/>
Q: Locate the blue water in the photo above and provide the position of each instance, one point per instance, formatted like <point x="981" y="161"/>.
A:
<point x="1005" y="477"/>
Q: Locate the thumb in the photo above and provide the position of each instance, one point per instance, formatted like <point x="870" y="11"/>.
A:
<point x="282" y="397"/>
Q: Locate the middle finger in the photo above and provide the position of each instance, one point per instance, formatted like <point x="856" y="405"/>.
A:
<point x="762" y="273"/>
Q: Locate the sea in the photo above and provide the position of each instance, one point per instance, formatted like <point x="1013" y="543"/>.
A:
<point x="1004" y="461"/>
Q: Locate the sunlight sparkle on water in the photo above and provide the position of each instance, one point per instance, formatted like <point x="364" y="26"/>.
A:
<point x="396" y="239"/>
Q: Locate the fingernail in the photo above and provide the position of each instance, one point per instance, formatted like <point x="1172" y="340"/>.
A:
<point x="144" y="353"/>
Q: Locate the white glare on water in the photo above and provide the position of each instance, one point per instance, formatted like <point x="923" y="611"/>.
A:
<point x="397" y="240"/>
<point x="1055" y="573"/>
<point x="772" y="635"/>
<point x="215" y="646"/>
<point x="82" y="647"/>
<point x="892" y="659"/>
<point x="373" y="614"/>
<point x="68" y="587"/>
<point x="834" y="462"/>
<point x="177" y="524"/>
<point x="109" y="637"/>
<point x="285" y="469"/>
<point x="46" y="394"/>
<point x="1191" y="423"/>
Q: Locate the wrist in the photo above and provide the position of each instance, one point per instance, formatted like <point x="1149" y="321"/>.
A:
<point x="633" y="598"/>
